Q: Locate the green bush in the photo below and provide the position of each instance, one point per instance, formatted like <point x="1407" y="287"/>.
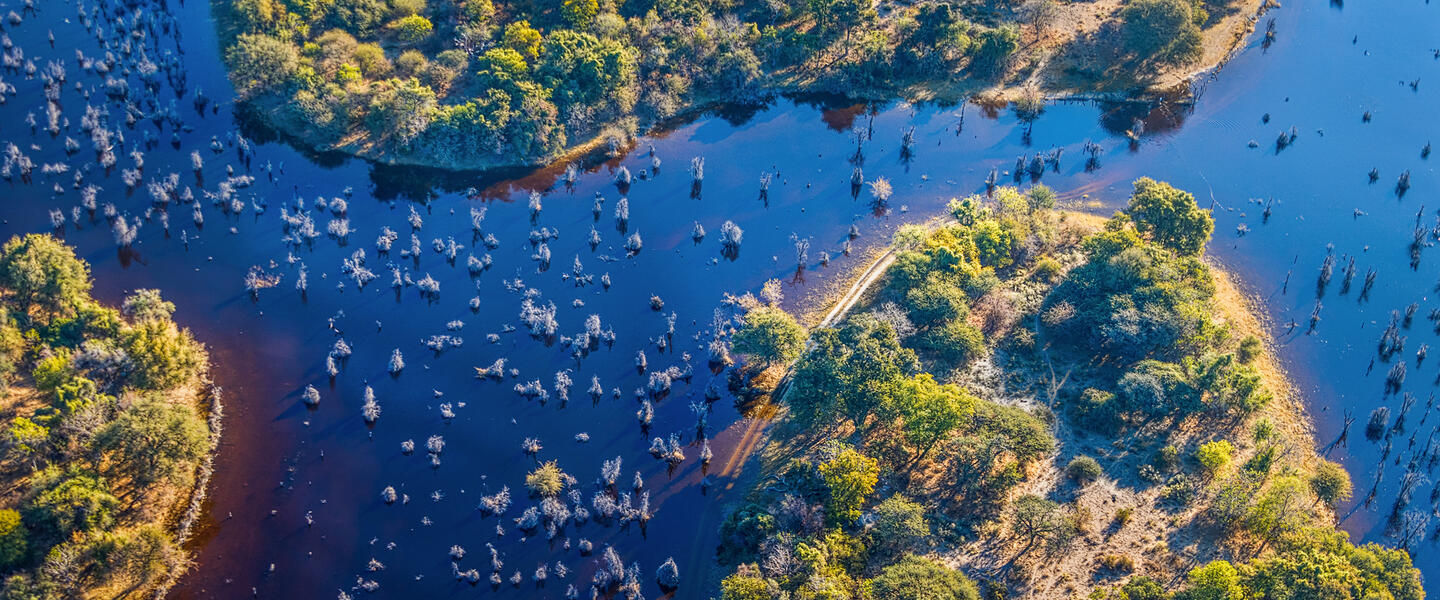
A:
<point x="1162" y="31"/>
<point x="899" y="524"/>
<point x="993" y="48"/>
<point x="956" y="342"/>
<point x="770" y="335"/>
<point x="1083" y="469"/>
<point x="14" y="539"/>
<point x="1214" y="456"/>
<point x="1097" y="410"/>
<point x="260" y="64"/>
<point x="934" y="302"/>
<point x="916" y="578"/>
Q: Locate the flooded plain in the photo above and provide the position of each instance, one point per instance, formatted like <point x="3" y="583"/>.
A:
<point x="298" y="505"/>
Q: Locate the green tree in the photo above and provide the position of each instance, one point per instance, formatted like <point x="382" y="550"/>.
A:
<point x="1214" y="456"/>
<point x="163" y="355"/>
<point x="152" y="442"/>
<point x="1279" y="509"/>
<point x="26" y="440"/>
<point x="851" y="477"/>
<point x="14" y="539"/>
<point x="1040" y="197"/>
<point x="359" y="17"/>
<point x="1035" y="519"/>
<point x="1141" y="587"/>
<point x="140" y="557"/>
<point x="1170" y="216"/>
<point x="744" y="586"/>
<point x="899" y="524"/>
<point x="413" y="28"/>
<point x="580" y="13"/>
<point x="1217" y="580"/>
<point x="849" y="372"/>
<point x="917" y="578"/>
<point x="63" y="503"/>
<point x="521" y="37"/>
<point x="934" y="302"/>
<point x="1161" y="31"/>
<point x="993" y="49"/>
<point x="771" y="335"/>
<point x="260" y="64"/>
<point x="147" y="305"/>
<point x="1330" y="483"/>
<point x="44" y="276"/>
<point x="928" y="411"/>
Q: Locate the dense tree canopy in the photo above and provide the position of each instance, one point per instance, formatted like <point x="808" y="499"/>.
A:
<point x="770" y="335"/>
<point x="114" y="442"/>
<point x="43" y="276"/>
<point x="1170" y="216"/>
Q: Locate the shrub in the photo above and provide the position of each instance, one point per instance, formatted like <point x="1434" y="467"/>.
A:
<point x="1049" y="270"/>
<point x="412" y="28"/>
<point x="771" y="335"/>
<point x="934" y="302"/>
<point x="1097" y="410"/>
<point x="1119" y="563"/>
<point x="1083" y="469"/>
<point x="1249" y="349"/>
<point x="1330" y="483"/>
<point x="899" y="523"/>
<point x="1162" y="31"/>
<point x="13" y="539"/>
<point x="916" y="578"/>
<point x="956" y="342"/>
<point x="1122" y="516"/>
<point x="850" y="477"/>
<point x="1214" y="456"/>
<point x="547" y="480"/>
<point x="993" y="49"/>
<point x="261" y="64"/>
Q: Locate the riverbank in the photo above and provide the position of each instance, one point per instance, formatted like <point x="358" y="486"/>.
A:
<point x="111" y="429"/>
<point x="1049" y="51"/>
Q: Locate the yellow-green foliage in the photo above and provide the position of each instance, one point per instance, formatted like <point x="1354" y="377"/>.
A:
<point x="574" y="68"/>
<point x="87" y="448"/>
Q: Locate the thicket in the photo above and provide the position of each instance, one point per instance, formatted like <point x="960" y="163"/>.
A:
<point x="471" y="82"/>
<point x="104" y="436"/>
<point x="876" y="419"/>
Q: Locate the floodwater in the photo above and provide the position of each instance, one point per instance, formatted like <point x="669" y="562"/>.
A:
<point x="295" y="508"/>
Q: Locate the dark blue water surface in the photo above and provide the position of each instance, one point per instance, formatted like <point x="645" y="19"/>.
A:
<point x="280" y="461"/>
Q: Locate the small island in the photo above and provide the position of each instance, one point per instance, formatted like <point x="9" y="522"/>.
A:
<point x="106" y="440"/>
<point x="479" y="84"/>
<point x="1041" y="404"/>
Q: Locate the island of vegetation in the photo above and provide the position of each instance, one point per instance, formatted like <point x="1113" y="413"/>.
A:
<point x="105" y="433"/>
<point x="485" y="83"/>
<point x="1042" y="404"/>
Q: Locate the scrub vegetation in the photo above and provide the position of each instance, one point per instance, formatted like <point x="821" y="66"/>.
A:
<point x="479" y="83"/>
<point x="104" y="438"/>
<point x="1043" y="404"/>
